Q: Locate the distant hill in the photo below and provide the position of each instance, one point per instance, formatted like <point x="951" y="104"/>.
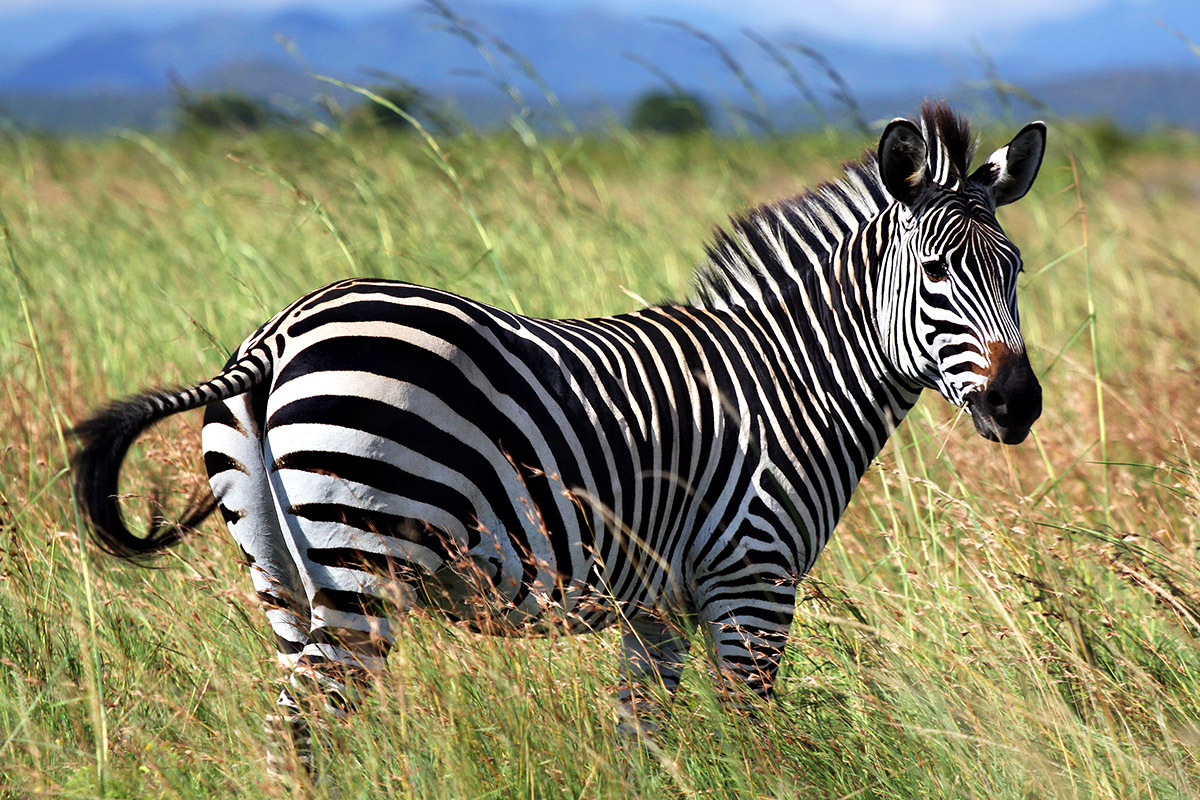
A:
<point x="121" y="76"/>
<point x="1144" y="96"/>
<point x="578" y="50"/>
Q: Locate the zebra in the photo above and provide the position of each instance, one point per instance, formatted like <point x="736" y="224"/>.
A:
<point x="380" y="447"/>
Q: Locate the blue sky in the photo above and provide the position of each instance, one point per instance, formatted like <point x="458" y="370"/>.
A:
<point x="880" y="46"/>
<point x="1087" y="33"/>
<point x="910" y="22"/>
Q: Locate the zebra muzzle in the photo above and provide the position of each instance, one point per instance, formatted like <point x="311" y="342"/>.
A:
<point x="1010" y="402"/>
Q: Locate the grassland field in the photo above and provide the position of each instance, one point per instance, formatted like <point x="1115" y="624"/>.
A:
<point x="988" y="622"/>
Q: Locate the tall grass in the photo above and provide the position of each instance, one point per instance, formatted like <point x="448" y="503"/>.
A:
<point x="988" y="622"/>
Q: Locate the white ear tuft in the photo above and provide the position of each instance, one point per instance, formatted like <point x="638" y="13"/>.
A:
<point x="1010" y="171"/>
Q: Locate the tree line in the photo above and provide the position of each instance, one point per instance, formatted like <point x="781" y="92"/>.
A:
<point x="673" y="113"/>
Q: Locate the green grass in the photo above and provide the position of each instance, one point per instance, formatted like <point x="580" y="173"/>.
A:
<point x="987" y="623"/>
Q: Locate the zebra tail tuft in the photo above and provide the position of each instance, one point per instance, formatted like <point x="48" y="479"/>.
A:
<point x="105" y="439"/>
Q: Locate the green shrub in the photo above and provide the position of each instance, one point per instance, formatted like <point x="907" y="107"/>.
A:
<point x="227" y="110"/>
<point x="673" y="113"/>
<point x="372" y="114"/>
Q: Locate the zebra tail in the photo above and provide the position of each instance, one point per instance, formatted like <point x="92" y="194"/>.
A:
<point x="105" y="439"/>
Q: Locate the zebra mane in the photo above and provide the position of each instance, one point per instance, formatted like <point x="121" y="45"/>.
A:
<point x="777" y="244"/>
<point x="950" y="142"/>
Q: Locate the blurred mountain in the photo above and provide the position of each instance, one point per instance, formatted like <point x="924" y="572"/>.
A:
<point x="586" y="55"/>
<point x="577" y="50"/>
<point x="1145" y="96"/>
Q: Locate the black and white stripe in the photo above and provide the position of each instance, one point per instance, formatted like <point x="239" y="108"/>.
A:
<point x="380" y="445"/>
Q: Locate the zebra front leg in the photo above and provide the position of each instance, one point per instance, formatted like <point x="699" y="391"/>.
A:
<point x="652" y="653"/>
<point x="749" y="635"/>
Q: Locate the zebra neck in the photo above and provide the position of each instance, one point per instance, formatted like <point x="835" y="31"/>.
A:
<point x="830" y="318"/>
<point x="855" y="270"/>
<point x="825" y="381"/>
<point x="804" y="272"/>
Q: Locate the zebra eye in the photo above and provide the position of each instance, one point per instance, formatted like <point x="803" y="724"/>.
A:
<point x="935" y="267"/>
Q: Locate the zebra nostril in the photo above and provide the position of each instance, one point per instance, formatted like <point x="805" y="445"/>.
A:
<point x="995" y="401"/>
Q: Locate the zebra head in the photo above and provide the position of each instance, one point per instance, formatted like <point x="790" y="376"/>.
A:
<point x="947" y="294"/>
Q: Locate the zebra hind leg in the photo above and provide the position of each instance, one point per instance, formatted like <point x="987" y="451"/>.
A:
<point x="338" y="666"/>
<point x="652" y="654"/>
<point x="233" y="456"/>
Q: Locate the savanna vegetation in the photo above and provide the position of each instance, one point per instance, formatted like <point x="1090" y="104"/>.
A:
<point x="988" y="622"/>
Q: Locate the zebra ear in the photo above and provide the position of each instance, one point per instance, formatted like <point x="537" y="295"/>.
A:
<point x="1010" y="171"/>
<point x="902" y="153"/>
